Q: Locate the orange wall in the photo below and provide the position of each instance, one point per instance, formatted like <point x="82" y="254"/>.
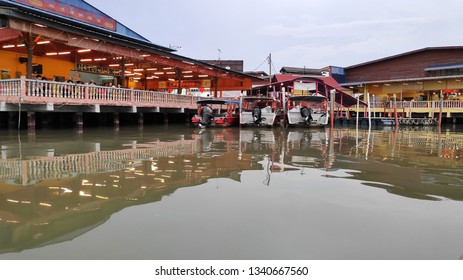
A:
<point x="51" y="67"/>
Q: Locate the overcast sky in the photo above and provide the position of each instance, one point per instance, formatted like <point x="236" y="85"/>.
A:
<point x="298" y="33"/>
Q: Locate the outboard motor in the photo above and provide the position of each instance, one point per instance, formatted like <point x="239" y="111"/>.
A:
<point x="206" y="116"/>
<point x="256" y="115"/>
<point x="306" y="114"/>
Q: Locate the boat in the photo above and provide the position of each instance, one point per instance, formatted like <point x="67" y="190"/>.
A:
<point x="307" y="110"/>
<point x="216" y="113"/>
<point x="260" y="111"/>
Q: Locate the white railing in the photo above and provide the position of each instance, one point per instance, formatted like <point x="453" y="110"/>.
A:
<point x="10" y="87"/>
<point x="45" y="90"/>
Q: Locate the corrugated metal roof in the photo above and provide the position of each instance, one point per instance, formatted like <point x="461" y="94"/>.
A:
<point x="404" y="54"/>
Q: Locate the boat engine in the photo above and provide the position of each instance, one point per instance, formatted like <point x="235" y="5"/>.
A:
<point x="256" y="115"/>
<point x="206" y="116"/>
<point x="306" y="114"/>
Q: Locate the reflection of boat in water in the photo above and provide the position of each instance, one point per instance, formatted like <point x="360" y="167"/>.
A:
<point x="307" y="110"/>
<point x="306" y="148"/>
<point x="260" y="111"/>
<point x="216" y="112"/>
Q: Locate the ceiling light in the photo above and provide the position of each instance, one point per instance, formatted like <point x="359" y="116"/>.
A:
<point x="84" y="51"/>
<point x="43" y="42"/>
<point x="8" y="46"/>
<point x="51" y="53"/>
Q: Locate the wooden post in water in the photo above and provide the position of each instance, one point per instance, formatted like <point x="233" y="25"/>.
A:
<point x="332" y="98"/>
<point x="396" y="118"/>
<point x="441" y="104"/>
<point x="283" y="100"/>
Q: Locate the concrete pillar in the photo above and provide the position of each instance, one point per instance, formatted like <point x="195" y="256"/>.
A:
<point x="30" y="120"/>
<point x="116" y="119"/>
<point x="12" y="120"/>
<point x="79" y="120"/>
<point x="140" y="119"/>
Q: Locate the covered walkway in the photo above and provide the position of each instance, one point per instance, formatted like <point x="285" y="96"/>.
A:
<point x="72" y="40"/>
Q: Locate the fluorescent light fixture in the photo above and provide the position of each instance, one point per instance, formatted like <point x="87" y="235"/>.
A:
<point x="100" y="59"/>
<point x="129" y="64"/>
<point x="188" y="76"/>
<point x="203" y="76"/>
<point x="86" y="60"/>
<point x="63" y="53"/>
<point x="158" y="73"/>
<point x="8" y="46"/>
<point x="187" y="72"/>
<point x="43" y="42"/>
<point x="168" y="68"/>
<point x="84" y="51"/>
<point x="170" y="73"/>
<point x="51" y="53"/>
<point x="172" y="80"/>
<point x="139" y="70"/>
<point x="151" y="69"/>
<point x="113" y="65"/>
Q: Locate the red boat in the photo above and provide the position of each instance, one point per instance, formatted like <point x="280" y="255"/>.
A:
<point x="216" y="112"/>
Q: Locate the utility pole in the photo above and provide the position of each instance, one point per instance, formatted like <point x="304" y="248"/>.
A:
<point x="270" y="74"/>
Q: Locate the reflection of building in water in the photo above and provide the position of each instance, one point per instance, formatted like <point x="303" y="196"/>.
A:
<point x="45" y="200"/>
<point x="27" y="172"/>
<point x="75" y="193"/>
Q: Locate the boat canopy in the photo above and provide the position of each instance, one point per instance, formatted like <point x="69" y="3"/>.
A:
<point x="309" y="98"/>
<point x="217" y="101"/>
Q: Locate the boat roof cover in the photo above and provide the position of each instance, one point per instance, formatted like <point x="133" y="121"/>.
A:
<point x="217" y="101"/>
<point x="310" y="98"/>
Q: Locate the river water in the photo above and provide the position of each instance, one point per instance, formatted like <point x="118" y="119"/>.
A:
<point x="176" y="192"/>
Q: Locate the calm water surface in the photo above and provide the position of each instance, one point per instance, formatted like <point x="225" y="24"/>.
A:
<point x="180" y="193"/>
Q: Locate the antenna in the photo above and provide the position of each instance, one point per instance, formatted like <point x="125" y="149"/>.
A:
<point x="219" y="52"/>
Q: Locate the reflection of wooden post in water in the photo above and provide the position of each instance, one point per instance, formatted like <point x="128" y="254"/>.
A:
<point x="24" y="172"/>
